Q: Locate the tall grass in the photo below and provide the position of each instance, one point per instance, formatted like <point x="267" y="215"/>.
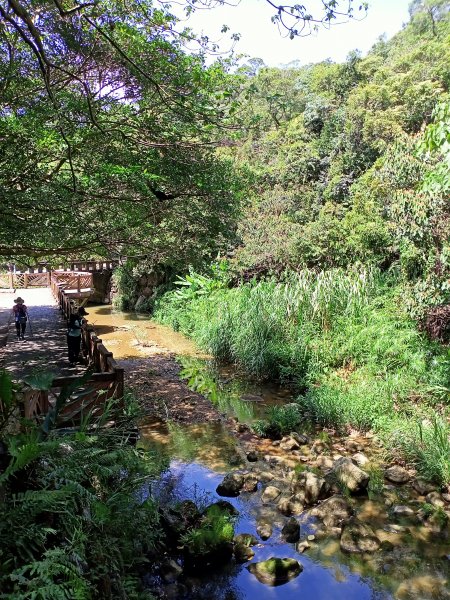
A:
<point x="342" y="338"/>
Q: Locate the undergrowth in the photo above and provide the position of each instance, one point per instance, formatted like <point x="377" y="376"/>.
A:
<point x="342" y="338"/>
<point x="74" y="522"/>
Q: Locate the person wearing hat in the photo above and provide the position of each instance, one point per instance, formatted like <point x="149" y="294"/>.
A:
<point x="76" y="323"/>
<point x="20" y="314"/>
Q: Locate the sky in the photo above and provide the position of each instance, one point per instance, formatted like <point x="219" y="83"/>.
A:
<point x="260" y="38"/>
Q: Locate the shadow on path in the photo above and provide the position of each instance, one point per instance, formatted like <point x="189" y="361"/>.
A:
<point x="44" y="347"/>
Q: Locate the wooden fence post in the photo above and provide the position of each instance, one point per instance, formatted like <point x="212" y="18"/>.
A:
<point x="119" y="381"/>
<point x="25" y="280"/>
<point x="11" y="280"/>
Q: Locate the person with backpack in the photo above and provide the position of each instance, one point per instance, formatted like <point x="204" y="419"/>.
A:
<point x="76" y="323"/>
<point x="20" y="314"/>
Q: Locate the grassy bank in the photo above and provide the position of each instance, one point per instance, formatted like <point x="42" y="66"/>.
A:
<point x="344" y="341"/>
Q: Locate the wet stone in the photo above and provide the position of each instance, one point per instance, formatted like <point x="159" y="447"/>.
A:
<point x="302" y="546"/>
<point x="264" y="530"/>
<point x="243" y="553"/>
<point x="333" y="511"/>
<point x="315" y="488"/>
<point x="247" y="539"/>
<point x="270" y="494"/>
<point x="250" y="483"/>
<point x="291" y="531"/>
<point x="231" y="485"/>
<point x="290" y="506"/>
<point x="358" y="538"/>
<point x="350" y="475"/>
<point x="266" y="476"/>
<point x="276" y="571"/>
<point x="397" y="474"/>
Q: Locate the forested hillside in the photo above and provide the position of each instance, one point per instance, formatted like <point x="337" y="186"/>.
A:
<point x="338" y="175"/>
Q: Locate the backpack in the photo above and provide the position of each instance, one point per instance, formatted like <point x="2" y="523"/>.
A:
<point x="73" y="327"/>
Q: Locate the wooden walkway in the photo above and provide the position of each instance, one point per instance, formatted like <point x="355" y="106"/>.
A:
<point x="44" y="347"/>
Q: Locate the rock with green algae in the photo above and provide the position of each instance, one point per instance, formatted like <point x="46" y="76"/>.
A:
<point x="243" y="553"/>
<point x="276" y="571"/>
<point x="245" y="538"/>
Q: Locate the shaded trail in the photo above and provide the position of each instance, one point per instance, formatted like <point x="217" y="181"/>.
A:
<point x="44" y="347"/>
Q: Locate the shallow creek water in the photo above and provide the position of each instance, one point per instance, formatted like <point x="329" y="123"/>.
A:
<point x="417" y="565"/>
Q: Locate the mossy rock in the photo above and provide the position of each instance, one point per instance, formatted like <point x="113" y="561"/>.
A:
<point x="276" y="571"/>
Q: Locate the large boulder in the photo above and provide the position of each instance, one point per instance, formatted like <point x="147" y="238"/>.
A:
<point x="333" y="512"/>
<point x="276" y="571"/>
<point x="349" y="475"/>
<point x="358" y="538"/>
<point x="315" y="488"/>
<point x="231" y="485"/>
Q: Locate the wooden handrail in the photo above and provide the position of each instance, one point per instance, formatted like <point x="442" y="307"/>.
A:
<point x="105" y="384"/>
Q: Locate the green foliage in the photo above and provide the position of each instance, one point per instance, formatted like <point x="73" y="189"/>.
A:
<point x="341" y="336"/>
<point x="215" y="530"/>
<point x="74" y="523"/>
<point x="225" y="397"/>
<point x="427" y="445"/>
<point x="279" y="421"/>
<point x="376" y="481"/>
<point x="343" y="153"/>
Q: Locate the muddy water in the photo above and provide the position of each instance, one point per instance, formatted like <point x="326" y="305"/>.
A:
<point x="416" y="567"/>
<point x="132" y="335"/>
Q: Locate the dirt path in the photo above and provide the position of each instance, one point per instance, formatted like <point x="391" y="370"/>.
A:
<point x="162" y="393"/>
<point x="44" y="346"/>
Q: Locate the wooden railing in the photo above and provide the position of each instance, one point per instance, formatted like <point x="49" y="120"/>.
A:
<point x="61" y="281"/>
<point x="24" y="280"/>
<point x="104" y="385"/>
<point x="92" y="397"/>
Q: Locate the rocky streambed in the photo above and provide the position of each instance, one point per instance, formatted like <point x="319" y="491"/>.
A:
<point x="320" y="516"/>
<point x="316" y="515"/>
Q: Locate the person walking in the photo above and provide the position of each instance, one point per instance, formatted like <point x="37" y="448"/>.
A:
<point x="20" y="315"/>
<point x="76" y="323"/>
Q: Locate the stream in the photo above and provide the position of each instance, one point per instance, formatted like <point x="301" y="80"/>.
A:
<point x="414" y="561"/>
